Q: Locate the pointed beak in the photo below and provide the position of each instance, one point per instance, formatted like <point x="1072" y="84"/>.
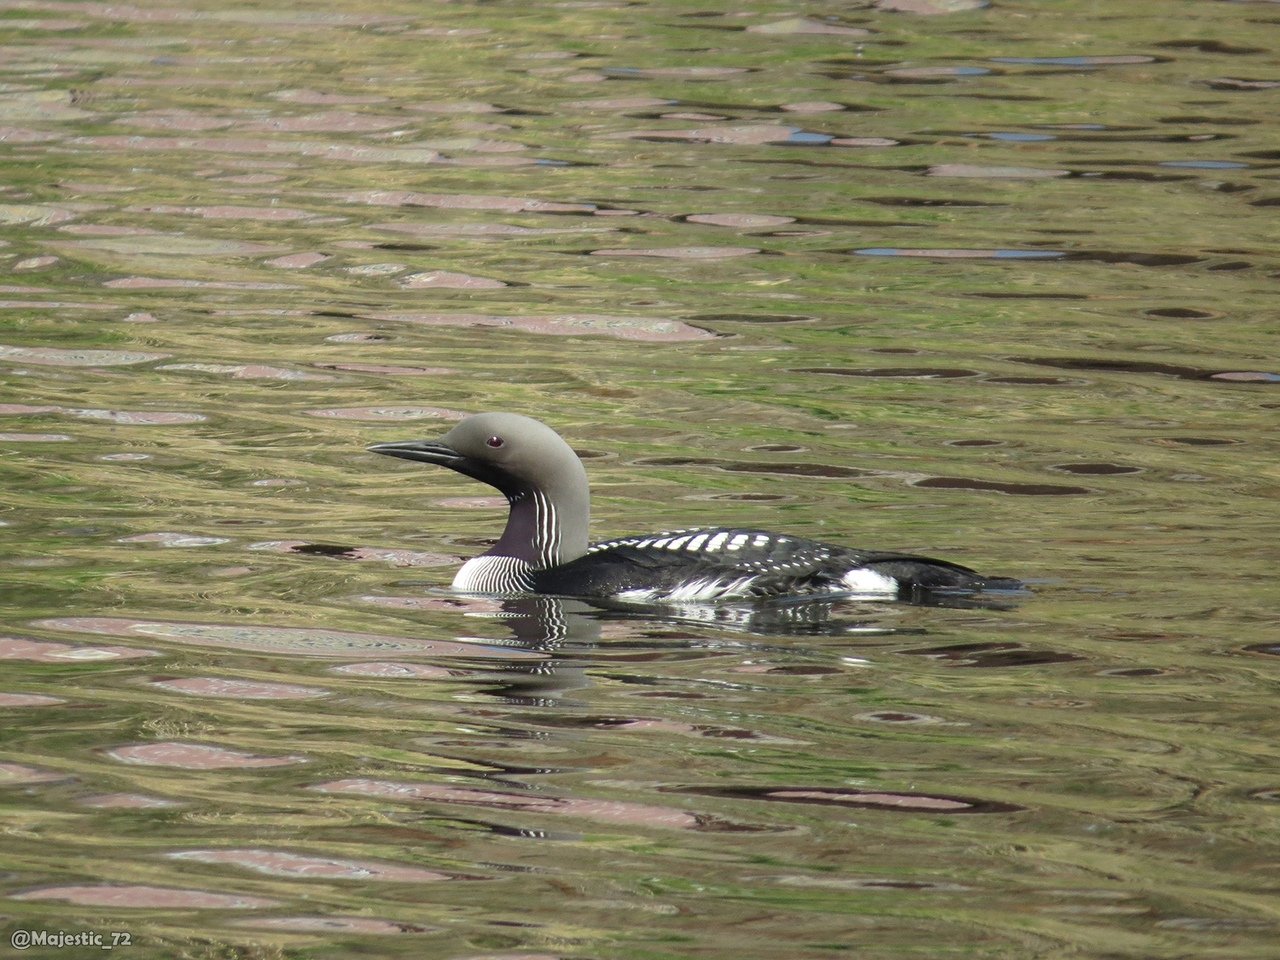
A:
<point x="421" y="451"/>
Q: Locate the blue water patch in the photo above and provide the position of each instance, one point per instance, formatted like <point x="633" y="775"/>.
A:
<point x="807" y="138"/>
<point x="1029" y="254"/>
<point x="1250" y="376"/>
<point x="1206" y="164"/>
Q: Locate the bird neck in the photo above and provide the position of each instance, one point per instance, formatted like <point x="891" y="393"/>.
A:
<point x="546" y="529"/>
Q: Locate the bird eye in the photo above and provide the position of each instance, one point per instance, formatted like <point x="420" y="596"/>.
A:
<point x="495" y="442"/>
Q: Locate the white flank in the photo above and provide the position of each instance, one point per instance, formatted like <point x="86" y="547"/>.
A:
<point x="641" y="595"/>
<point x="696" y="590"/>
<point x="738" y="588"/>
<point x="862" y="580"/>
<point x="703" y="590"/>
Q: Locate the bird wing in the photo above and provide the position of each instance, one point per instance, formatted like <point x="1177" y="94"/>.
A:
<point x="707" y="565"/>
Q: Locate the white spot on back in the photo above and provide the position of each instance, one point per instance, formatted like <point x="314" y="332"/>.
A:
<point x="761" y="540"/>
<point x="738" y="541"/>
<point x="716" y="542"/>
<point x="697" y="542"/>
<point x="678" y="543"/>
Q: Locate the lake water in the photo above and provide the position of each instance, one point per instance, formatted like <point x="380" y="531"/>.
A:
<point x="996" y="284"/>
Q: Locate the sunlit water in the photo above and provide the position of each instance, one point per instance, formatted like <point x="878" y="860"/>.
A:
<point x="992" y="284"/>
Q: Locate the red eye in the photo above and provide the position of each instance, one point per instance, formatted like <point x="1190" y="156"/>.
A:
<point x="495" y="441"/>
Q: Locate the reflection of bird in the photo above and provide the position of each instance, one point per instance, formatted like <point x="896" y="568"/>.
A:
<point x="544" y="548"/>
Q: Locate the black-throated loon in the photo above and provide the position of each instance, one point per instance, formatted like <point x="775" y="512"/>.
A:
<point x="544" y="547"/>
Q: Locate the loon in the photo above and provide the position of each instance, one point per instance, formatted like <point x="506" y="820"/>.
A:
<point x="544" y="548"/>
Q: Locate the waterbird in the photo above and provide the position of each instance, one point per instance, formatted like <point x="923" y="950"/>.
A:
<point x="544" y="548"/>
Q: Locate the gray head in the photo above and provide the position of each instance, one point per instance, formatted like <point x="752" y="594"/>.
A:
<point x="532" y="466"/>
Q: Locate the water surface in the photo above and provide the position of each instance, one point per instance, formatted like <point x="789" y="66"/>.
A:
<point x="991" y="283"/>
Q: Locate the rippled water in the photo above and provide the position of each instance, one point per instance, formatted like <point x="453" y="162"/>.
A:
<point x="997" y="284"/>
